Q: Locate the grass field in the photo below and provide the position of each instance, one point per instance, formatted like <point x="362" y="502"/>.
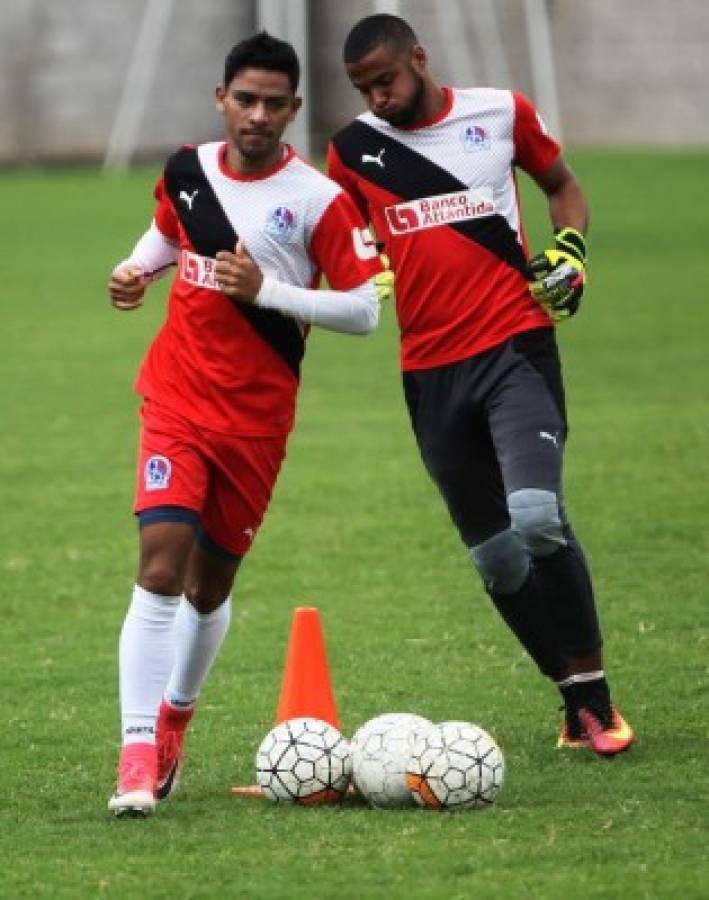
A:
<point x="357" y="530"/>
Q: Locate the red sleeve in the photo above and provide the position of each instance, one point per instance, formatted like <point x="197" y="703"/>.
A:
<point x="165" y="215"/>
<point x="535" y="149"/>
<point x="342" y="247"/>
<point x="339" y="172"/>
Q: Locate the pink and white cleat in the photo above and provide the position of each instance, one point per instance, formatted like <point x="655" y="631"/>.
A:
<point x="137" y="781"/>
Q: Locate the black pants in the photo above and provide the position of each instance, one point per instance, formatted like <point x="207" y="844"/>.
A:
<point x="490" y="425"/>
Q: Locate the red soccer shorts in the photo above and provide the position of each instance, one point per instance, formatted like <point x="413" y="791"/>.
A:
<point x="226" y="480"/>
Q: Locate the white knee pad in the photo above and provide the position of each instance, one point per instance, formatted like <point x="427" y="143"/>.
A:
<point x="536" y="519"/>
<point x="502" y="561"/>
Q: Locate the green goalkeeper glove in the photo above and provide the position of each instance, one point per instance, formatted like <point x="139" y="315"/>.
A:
<point x="384" y="281"/>
<point x="558" y="276"/>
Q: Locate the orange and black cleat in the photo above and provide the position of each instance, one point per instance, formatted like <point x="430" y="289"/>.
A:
<point x="571" y="739"/>
<point x="572" y="735"/>
<point x="606" y="735"/>
<point x="591" y="720"/>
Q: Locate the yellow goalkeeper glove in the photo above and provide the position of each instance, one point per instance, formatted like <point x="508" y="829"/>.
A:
<point x="384" y="281"/>
<point x="558" y="276"/>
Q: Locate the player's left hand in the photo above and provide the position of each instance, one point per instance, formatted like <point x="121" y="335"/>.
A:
<point x="558" y="276"/>
<point x="384" y="281"/>
<point x="237" y="274"/>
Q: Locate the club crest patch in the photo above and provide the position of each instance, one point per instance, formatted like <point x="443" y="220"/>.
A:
<point x="157" y="473"/>
<point x="281" y="223"/>
<point x="475" y="138"/>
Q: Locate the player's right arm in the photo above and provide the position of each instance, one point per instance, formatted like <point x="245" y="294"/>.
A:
<point x="151" y="258"/>
<point x="155" y="253"/>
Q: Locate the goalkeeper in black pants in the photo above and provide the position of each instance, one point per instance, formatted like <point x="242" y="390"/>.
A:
<point x="433" y="169"/>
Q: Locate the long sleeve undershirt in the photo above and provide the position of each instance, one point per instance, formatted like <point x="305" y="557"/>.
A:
<point x="355" y="311"/>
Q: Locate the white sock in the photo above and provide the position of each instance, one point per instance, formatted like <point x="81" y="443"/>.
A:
<point x="145" y="656"/>
<point x="198" y="638"/>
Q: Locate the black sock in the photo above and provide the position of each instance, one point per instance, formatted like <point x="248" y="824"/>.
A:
<point x="593" y="695"/>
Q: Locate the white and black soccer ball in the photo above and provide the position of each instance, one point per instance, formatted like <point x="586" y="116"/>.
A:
<point x="381" y="749"/>
<point x="305" y="761"/>
<point x="455" y="765"/>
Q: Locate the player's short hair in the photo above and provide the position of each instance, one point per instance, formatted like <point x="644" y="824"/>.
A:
<point x="372" y="31"/>
<point x="263" y="51"/>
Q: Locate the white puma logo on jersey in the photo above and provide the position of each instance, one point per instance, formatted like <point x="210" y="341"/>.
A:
<point x="189" y="198"/>
<point x="368" y="158"/>
<point x="549" y="437"/>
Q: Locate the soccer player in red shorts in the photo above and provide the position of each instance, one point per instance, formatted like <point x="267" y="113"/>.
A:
<point x="250" y="227"/>
<point x="432" y="168"/>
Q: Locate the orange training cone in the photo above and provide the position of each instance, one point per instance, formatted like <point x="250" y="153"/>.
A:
<point x="306" y="689"/>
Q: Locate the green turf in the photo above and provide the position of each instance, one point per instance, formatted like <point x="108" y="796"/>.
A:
<point x="356" y="529"/>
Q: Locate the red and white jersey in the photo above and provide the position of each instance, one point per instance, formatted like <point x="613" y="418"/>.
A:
<point x="233" y="367"/>
<point x="443" y="198"/>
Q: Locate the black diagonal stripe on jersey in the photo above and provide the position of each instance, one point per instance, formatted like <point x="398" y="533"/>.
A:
<point x="209" y="231"/>
<point x="411" y="176"/>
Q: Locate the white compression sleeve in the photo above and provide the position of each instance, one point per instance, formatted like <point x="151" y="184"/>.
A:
<point x="355" y="311"/>
<point x="153" y="253"/>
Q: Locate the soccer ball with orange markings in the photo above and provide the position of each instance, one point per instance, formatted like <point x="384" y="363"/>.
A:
<point x="304" y="761"/>
<point x="380" y="752"/>
<point x="455" y="765"/>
